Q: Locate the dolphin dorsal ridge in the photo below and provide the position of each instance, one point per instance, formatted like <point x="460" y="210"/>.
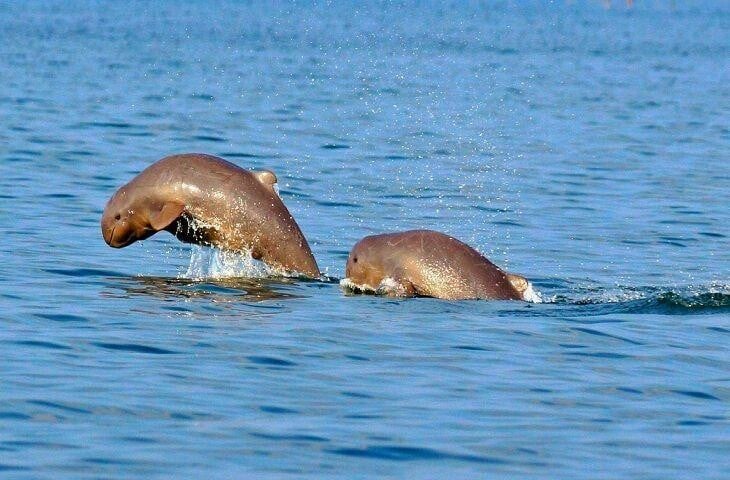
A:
<point x="266" y="177"/>
<point x="519" y="282"/>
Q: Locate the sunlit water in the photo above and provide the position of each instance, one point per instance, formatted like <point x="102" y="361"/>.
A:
<point x="584" y="148"/>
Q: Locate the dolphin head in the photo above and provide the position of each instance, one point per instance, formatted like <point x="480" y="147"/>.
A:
<point x="363" y="266"/>
<point x="132" y="214"/>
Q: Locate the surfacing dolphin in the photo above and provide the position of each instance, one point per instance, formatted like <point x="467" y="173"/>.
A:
<point x="206" y="200"/>
<point x="431" y="264"/>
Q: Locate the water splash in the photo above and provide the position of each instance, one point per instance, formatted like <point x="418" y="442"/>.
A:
<point x="531" y="294"/>
<point x="639" y="299"/>
<point x="212" y="263"/>
<point x="697" y="301"/>
<point x="387" y="287"/>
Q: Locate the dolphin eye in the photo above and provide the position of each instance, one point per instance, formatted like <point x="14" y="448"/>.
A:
<point x="117" y="216"/>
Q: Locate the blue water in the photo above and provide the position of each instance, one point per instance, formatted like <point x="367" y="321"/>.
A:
<point x="583" y="147"/>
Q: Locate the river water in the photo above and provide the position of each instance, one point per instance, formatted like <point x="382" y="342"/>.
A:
<point x="583" y="147"/>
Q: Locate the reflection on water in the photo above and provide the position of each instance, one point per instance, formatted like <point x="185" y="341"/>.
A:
<point x="214" y="290"/>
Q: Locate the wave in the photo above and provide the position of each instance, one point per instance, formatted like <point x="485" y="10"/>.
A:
<point x="689" y="299"/>
<point x="578" y="297"/>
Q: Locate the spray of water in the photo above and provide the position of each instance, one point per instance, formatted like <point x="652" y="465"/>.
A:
<point x="212" y="263"/>
<point x="714" y="294"/>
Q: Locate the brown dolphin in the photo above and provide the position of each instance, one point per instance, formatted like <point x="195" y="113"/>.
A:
<point x="428" y="263"/>
<point x="206" y="200"/>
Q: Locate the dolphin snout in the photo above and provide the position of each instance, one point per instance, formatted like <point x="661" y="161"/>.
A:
<point x="120" y="240"/>
<point x="107" y="229"/>
<point x="110" y="239"/>
<point x="109" y="232"/>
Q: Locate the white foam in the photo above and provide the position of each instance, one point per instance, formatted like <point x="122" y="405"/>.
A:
<point x="389" y="286"/>
<point x="531" y="295"/>
<point x="206" y="262"/>
<point x="349" y="285"/>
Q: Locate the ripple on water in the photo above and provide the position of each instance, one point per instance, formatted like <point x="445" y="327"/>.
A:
<point x="296" y="438"/>
<point x="5" y="415"/>
<point x="6" y="467"/>
<point x="592" y="331"/>
<point x="246" y="155"/>
<point x="62" y="317"/>
<point x="277" y="410"/>
<point x="270" y="361"/>
<point x="335" y="146"/>
<point x="696" y="394"/>
<point x="42" y="344"/>
<point x="83" y="272"/>
<point x="135" y="348"/>
<point x="210" y="138"/>
<point x="60" y="406"/>
<point x="120" y="125"/>
<point x="405" y="454"/>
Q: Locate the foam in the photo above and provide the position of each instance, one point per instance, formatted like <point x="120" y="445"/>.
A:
<point x="351" y="286"/>
<point x="531" y="295"/>
<point x="389" y="286"/>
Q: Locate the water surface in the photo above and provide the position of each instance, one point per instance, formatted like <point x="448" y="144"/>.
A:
<point x="584" y="148"/>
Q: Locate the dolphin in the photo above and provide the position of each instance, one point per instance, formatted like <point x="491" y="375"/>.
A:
<point x="207" y="200"/>
<point x="431" y="264"/>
